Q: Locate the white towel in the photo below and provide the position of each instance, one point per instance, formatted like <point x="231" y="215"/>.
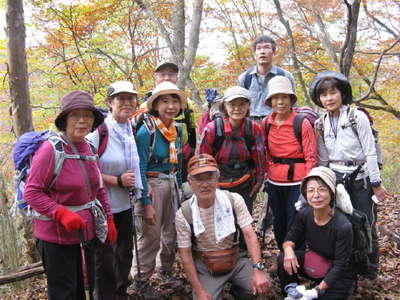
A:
<point x="224" y="220"/>
<point x="343" y="200"/>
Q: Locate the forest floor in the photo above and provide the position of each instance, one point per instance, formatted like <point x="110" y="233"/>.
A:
<point x="386" y="287"/>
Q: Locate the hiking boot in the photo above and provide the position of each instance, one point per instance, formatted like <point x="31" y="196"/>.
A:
<point x="146" y="290"/>
<point x="169" y="280"/>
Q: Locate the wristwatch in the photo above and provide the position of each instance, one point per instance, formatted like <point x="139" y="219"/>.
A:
<point x="375" y="184"/>
<point x="259" y="265"/>
<point x="319" y="291"/>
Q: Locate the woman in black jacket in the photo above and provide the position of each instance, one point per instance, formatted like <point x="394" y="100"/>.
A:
<point x="328" y="236"/>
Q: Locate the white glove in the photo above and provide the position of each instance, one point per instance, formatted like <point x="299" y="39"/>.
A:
<point x="299" y="204"/>
<point x="307" y="294"/>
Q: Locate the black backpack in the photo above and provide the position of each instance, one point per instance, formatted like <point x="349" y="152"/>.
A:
<point x="248" y="77"/>
<point x="220" y="134"/>
<point x="362" y="241"/>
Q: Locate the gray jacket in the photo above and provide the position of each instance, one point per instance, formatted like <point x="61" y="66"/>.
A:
<point x="258" y="89"/>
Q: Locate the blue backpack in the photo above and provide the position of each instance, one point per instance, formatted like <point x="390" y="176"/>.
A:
<point x="23" y="151"/>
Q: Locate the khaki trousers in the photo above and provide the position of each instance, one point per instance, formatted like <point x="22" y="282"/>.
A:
<point x="163" y="233"/>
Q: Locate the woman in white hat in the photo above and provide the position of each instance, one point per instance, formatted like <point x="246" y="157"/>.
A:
<point x="289" y="156"/>
<point x="237" y="144"/>
<point x="119" y="166"/>
<point x="328" y="236"/>
<point x="158" y="141"/>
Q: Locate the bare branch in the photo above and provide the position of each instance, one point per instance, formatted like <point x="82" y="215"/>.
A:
<point x="376" y="20"/>
<point x="293" y="52"/>
<point x="371" y="86"/>
<point x="324" y="36"/>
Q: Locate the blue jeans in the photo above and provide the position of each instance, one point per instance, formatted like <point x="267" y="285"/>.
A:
<point x="282" y="199"/>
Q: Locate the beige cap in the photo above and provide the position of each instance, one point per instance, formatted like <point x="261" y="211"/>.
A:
<point x="236" y="92"/>
<point x="121" y="87"/>
<point x="279" y="85"/>
<point x="326" y="175"/>
<point x="169" y="64"/>
<point x="167" y="88"/>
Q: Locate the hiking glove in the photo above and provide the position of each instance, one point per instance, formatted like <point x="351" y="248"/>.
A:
<point x="70" y="220"/>
<point x="307" y="294"/>
<point x="112" y="232"/>
<point x="292" y="292"/>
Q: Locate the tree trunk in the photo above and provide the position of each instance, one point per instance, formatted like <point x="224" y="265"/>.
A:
<point x="18" y="79"/>
<point x="347" y="51"/>
<point x="185" y="65"/>
<point x="178" y="29"/>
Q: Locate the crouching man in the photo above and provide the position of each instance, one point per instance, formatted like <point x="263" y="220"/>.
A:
<point x="208" y="226"/>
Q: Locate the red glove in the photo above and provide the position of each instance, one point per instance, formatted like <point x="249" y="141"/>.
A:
<point x="70" y="220"/>
<point x="112" y="232"/>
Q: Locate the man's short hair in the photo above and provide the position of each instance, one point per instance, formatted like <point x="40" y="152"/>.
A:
<point x="264" y="39"/>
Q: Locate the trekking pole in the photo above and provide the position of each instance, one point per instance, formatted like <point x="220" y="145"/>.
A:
<point x="135" y="242"/>
<point x="264" y="225"/>
<point x="84" y="266"/>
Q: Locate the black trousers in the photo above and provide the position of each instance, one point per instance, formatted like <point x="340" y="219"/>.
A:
<point x="282" y="200"/>
<point x="339" y="290"/>
<point x="244" y="190"/>
<point x="113" y="263"/>
<point x="63" y="268"/>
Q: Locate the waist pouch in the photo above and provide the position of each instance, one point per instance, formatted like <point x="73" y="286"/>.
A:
<point x="219" y="262"/>
<point x="316" y="266"/>
<point x="99" y="220"/>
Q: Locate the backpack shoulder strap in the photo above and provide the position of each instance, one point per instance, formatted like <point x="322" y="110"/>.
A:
<point x="59" y="157"/>
<point x="280" y="71"/>
<point x="187" y="212"/>
<point x="319" y="126"/>
<point x="151" y="128"/>
<point x="248" y="134"/>
<point x="297" y="126"/>
<point x="247" y="79"/>
<point x="219" y="134"/>
<point x="352" y="119"/>
<point x="102" y="131"/>
<point x="267" y="129"/>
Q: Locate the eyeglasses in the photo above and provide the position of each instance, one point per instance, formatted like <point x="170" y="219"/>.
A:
<point x="199" y="180"/>
<point x="320" y="190"/>
<point x="241" y="105"/>
<point x="130" y="98"/>
<point x="76" y="116"/>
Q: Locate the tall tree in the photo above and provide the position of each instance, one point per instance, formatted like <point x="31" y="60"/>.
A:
<point x="183" y="57"/>
<point x="18" y="71"/>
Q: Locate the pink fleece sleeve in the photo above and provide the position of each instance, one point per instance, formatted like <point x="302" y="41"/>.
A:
<point x="40" y="175"/>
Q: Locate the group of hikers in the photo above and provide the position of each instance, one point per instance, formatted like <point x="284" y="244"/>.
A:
<point x="135" y="187"/>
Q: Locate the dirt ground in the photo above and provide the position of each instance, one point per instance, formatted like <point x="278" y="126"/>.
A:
<point x="386" y="287"/>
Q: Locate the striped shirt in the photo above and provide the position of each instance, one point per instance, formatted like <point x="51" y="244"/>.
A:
<point x="206" y="241"/>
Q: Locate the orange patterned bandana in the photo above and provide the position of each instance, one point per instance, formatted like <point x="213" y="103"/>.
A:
<point x="170" y="134"/>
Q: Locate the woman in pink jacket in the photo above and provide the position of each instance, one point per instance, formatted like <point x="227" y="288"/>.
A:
<point x="65" y="217"/>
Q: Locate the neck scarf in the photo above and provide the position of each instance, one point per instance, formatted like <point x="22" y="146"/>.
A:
<point x="224" y="220"/>
<point x="131" y="156"/>
<point x="170" y="135"/>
